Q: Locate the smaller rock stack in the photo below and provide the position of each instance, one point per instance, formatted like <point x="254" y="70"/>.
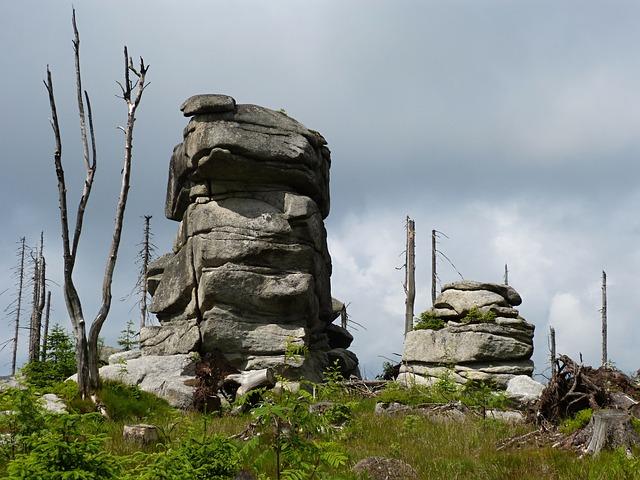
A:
<point x="475" y="334"/>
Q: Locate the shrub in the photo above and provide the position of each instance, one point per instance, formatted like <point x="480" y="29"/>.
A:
<point x="475" y="315"/>
<point x="59" y="362"/>
<point x="429" y="321"/>
<point x="213" y="458"/>
<point x="62" y="452"/>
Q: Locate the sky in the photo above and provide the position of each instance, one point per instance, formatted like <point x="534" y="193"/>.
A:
<point x="511" y="126"/>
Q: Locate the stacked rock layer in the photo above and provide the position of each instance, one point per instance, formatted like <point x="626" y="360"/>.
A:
<point x="483" y="338"/>
<point x="249" y="275"/>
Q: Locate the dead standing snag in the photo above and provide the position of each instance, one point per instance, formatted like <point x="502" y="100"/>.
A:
<point x="87" y="347"/>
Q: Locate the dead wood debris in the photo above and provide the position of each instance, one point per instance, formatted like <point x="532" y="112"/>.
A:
<point x="575" y="387"/>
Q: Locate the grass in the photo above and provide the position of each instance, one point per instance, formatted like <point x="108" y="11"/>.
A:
<point x="436" y="449"/>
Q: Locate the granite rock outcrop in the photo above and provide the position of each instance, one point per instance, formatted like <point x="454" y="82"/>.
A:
<point x="249" y="274"/>
<point x="474" y="333"/>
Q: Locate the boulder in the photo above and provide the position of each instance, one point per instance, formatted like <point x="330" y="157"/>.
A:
<point x="121" y="357"/>
<point x="462" y="301"/>
<point x="447" y="347"/>
<point x="525" y="389"/>
<point x="169" y="376"/>
<point x="505" y="291"/>
<point x="53" y="404"/>
<point x="170" y="339"/>
<point x="208" y="103"/>
<point x="381" y="468"/>
<point x="141" y="434"/>
<point x="338" y="337"/>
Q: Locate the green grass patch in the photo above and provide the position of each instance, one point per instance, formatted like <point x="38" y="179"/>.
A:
<point x="578" y="421"/>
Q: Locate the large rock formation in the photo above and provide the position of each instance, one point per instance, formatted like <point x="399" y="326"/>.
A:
<point x="249" y="275"/>
<point x="476" y="333"/>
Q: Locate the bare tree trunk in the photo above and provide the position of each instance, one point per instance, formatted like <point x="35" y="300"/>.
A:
<point x="87" y="350"/>
<point x="552" y="348"/>
<point x="146" y="255"/>
<point x="19" y="306"/>
<point x="605" y="357"/>
<point x="35" y="326"/>
<point x="45" y="333"/>
<point x="132" y="94"/>
<point x="611" y="429"/>
<point x="434" y="274"/>
<point x="410" y="281"/>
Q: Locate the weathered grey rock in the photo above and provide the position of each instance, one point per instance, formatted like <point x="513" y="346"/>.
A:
<point x="381" y="468"/>
<point x="524" y="389"/>
<point x="226" y="333"/>
<point x="170" y="339"/>
<point x="249" y="275"/>
<point x="522" y="335"/>
<point x="505" y="291"/>
<point x="511" y="367"/>
<point x="408" y="379"/>
<point x="10" y="382"/>
<point x="347" y="361"/>
<point x="487" y="348"/>
<point x="507" y="416"/>
<point x="121" y="357"/>
<point x="53" y="404"/>
<point x="462" y="301"/>
<point x="141" y="434"/>
<point x="444" y="346"/>
<point x="338" y="337"/>
<point x="208" y="103"/>
<point x="170" y="377"/>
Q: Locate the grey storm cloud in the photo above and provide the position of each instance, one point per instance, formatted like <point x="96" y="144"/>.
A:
<point x="514" y="127"/>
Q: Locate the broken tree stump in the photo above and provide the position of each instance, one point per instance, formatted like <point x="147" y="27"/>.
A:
<point x="249" y="380"/>
<point x="611" y="429"/>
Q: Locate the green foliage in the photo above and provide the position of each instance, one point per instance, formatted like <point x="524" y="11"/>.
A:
<point x="483" y="394"/>
<point x="475" y="315"/>
<point x="292" y="438"/>
<point x="578" y="421"/>
<point x="59" y="449"/>
<point x="59" y="363"/>
<point x="211" y="458"/>
<point x="330" y="388"/>
<point x="125" y="402"/>
<point x="445" y="390"/>
<point x="25" y="417"/>
<point x="127" y="339"/>
<point x="429" y="321"/>
<point x="294" y="350"/>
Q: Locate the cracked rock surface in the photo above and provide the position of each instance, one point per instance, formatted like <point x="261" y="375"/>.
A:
<point x="483" y="338"/>
<point x="249" y="274"/>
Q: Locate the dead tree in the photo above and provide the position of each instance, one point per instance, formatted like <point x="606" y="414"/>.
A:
<point x="145" y="253"/>
<point x="132" y="90"/>
<point x="410" y="275"/>
<point x="435" y="252"/>
<point x="552" y="341"/>
<point x="18" y="310"/>
<point x="611" y="429"/>
<point x="45" y="332"/>
<point x="603" y="310"/>
<point x="434" y="274"/>
<point x="38" y="302"/>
